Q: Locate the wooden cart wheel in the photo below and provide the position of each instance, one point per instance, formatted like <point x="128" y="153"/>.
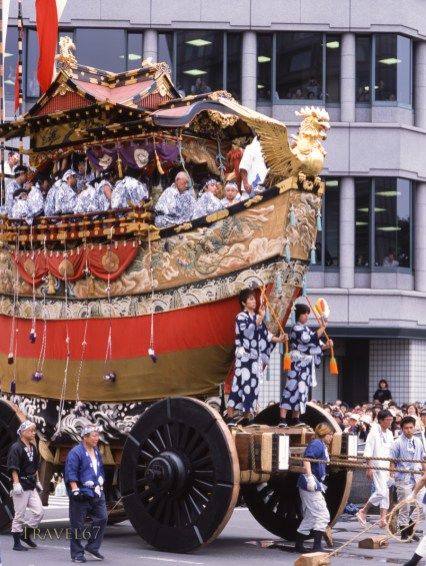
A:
<point x="179" y="475"/>
<point x="276" y="504"/>
<point x="10" y="419"/>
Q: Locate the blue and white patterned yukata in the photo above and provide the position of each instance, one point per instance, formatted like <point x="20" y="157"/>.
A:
<point x="206" y="204"/>
<point x="49" y="203"/>
<point x="86" y="201"/>
<point x="128" y="192"/>
<point x="306" y="354"/>
<point x="102" y="201"/>
<point x="10" y="189"/>
<point x="19" y="209"/>
<point x="65" y="199"/>
<point x="35" y="203"/>
<point x="174" y="207"/>
<point x="253" y="348"/>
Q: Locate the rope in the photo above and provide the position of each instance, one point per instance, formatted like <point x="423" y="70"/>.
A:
<point x="396" y="508"/>
<point x="336" y="463"/>
<point x="388" y="520"/>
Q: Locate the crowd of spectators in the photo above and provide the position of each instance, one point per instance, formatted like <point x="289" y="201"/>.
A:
<point x="360" y="418"/>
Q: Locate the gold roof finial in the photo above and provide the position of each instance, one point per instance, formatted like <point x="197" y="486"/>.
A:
<point x="66" y="58"/>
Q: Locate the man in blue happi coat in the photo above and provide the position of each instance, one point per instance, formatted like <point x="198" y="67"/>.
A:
<point x="84" y="478"/>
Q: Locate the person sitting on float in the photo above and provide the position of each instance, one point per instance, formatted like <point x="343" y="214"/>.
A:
<point x="36" y="196"/>
<point x="21" y="172"/>
<point x="129" y="191"/>
<point x="176" y="204"/>
<point x="232" y="194"/>
<point x="20" y="205"/>
<point x="66" y="197"/>
<point x="84" y="174"/>
<point x="207" y="202"/>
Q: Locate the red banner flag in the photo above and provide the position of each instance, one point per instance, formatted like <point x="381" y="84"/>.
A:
<point x="47" y="31"/>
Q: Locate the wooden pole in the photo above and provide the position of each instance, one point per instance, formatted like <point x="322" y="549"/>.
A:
<point x="2" y="113"/>
<point x="19" y="77"/>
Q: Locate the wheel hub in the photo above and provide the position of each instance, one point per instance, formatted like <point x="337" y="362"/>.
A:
<point x="168" y="473"/>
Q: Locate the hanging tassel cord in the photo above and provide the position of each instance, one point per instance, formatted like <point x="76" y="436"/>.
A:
<point x="108" y="353"/>
<point x="68" y="352"/>
<point x="33" y="306"/>
<point x="42" y="355"/>
<point x="151" y="274"/>
<point x="84" y="341"/>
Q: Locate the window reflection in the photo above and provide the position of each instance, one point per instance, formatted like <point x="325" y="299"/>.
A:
<point x="363" y="69"/>
<point x="392" y="222"/>
<point x="264" y="67"/>
<point x="362" y="222"/>
<point x="233" y="59"/>
<point x="299" y="65"/>
<point x="393" y="61"/>
<point x="327" y="242"/>
<point x="102" y="48"/>
<point x="10" y="59"/>
<point x="134" y="50"/>
<point x="199" y="64"/>
<point x="332" y="67"/>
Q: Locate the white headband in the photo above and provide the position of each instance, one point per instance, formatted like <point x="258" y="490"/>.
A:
<point x="25" y="425"/>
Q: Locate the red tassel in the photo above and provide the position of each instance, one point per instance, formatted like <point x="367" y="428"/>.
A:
<point x="287" y="362"/>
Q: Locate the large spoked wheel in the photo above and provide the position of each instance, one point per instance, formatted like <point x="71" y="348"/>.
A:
<point x="179" y="475"/>
<point x="10" y="419"/>
<point x="276" y="504"/>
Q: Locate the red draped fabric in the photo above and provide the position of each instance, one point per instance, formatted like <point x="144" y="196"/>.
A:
<point x="102" y="261"/>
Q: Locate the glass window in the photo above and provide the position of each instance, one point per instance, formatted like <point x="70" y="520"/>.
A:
<point x="299" y="57"/>
<point x="233" y="69"/>
<point x="363" y="68"/>
<point x="332" y="68"/>
<point x="327" y="243"/>
<point x="101" y="48"/>
<point x="392" y="204"/>
<point x="362" y="222"/>
<point x="32" y="87"/>
<point x="393" y="68"/>
<point x="264" y="68"/>
<point x="199" y="61"/>
<point x="10" y="59"/>
<point x="165" y="51"/>
<point x="134" y="50"/>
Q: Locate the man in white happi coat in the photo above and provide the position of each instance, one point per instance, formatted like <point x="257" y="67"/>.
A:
<point x="176" y="204"/>
<point x="66" y="197"/>
<point x="129" y="191"/>
<point x="208" y="202"/>
<point x="36" y="196"/>
<point x="252" y="169"/>
<point x="378" y="444"/>
<point x="21" y="172"/>
<point x="20" y="205"/>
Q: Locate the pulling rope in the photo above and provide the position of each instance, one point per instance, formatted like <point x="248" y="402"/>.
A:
<point x="340" y="463"/>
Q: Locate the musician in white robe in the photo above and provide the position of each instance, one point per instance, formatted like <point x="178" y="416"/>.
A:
<point x="208" y="202"/>
<point x="232" y="194"/>
<point x="176" y="204"/>
<point x="129" y="191"/>
<point x="66" y="197"/>
<point x="20" y="205"/>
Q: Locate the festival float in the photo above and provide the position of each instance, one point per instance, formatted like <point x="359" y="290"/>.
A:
<point x="106" y="319"/>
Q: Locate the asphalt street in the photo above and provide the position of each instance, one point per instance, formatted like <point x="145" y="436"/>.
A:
<point x="242" y="543"/>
